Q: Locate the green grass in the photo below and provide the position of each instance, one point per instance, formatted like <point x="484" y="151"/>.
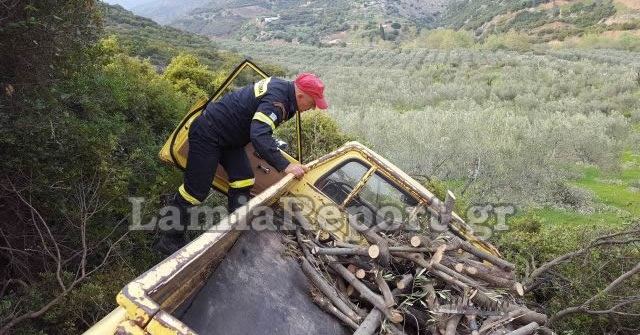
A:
<point x="619" y="189"/>
<point x="573" y="219"/>
<point x="615" y="189"/>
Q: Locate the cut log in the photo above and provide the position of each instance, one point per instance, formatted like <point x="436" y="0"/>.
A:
<point x="373" y="251"/>
<point x="360" y="273"/>
<point x="488" y="268"/>
<point x="372" y="237"/>
<point x="519" y="289"/>
<point x="359" y="251"/>
<point x="409" y="249"/>
<point x="374" y="319"/>
<point x="525" y="330"/>
<point x="495" y="260"/>
<point x="325" y="286"/>
<point x="420" y="241"/>
<point x="437" y="256"/>
<point x="365" y="292"/>
<point x="490" y="279"/>
<point x="326" y="305"/>
<point x="452" y="325"/>
<point x="370" y="323"/>
<point x="328" y="290"/>
<point x="385" y="290"/>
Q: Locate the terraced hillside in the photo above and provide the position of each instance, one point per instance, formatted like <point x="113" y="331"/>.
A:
<point x="545" y="19"/>
<point x="313" y="22"/>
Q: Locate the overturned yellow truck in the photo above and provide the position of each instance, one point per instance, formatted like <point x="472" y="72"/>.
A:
<point x="236" y="278"/>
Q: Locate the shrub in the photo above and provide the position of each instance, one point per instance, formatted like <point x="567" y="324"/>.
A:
<point x="320" y="135"/>
<point x="444" y="39"/>
<point x="530" y="243"/>
<point x="510" y="41"/>
<point x="192" y="78"/>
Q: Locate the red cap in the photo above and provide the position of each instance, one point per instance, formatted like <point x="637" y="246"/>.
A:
<point x="309" y="83"/>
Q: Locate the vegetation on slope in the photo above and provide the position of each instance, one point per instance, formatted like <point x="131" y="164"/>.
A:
<point x="83" y="117"/>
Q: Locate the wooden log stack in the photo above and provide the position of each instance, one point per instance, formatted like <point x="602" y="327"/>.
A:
<point x="427" y="283"/>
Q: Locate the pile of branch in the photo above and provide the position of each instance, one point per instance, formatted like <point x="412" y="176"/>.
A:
<point x="402" y="283"/>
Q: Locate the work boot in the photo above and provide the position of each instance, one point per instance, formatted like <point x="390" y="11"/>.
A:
<point x="174" y="239"/>
<point x="167" y="244"/>
<point x="237" y="197"/>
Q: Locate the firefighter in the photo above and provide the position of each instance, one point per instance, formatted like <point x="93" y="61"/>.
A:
<point x="225" y="127"/>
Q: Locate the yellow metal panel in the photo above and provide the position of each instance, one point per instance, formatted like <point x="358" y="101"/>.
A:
<point x="130" y="328"/>
<point x="165" y="324"/>
<point x="181" y="135"/>
<point x="108" y="324"/>
<point x="140" y="308"/>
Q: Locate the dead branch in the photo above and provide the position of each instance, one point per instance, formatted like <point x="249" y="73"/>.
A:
<point x="374" y="319"/>
<point x="365" y="292"/>
<point x="584" y="307"/>
<point x="525" y="330"/>
<point x="331" y="309"/>
<point x="633" y="236"/>
<point x="52" y="247"/>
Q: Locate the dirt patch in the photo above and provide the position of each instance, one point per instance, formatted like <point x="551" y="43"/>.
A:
<point x="621" y="18"/>
<point x="618" y="33"/>
<point x="337" y="36"/>
<point x="633" y="4"/>
<point x="556" y="3"/>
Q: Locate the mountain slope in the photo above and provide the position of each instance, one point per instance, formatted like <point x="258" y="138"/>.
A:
<point x="543" y="19"/>
<point x="303" y="21"/>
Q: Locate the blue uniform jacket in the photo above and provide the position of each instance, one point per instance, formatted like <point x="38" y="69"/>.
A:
<point x="252" y="113"/>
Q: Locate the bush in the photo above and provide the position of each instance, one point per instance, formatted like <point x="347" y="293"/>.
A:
<point x="98" y="131"/>
<point x="625" y="41"/>
<point x="510" y="41"/>
<point x="444" y="39"/>
<point x="572" y="197"/>
<point x="529" y="243"/>
<point x="320" y="135"/>
<point x="192" y="78"/>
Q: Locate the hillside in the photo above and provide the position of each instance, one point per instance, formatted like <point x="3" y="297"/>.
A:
<point x="147" y="39"/>
<point x="312" y="22"/>
<point x="545" y="20"/>
<point x="340" y="22"/>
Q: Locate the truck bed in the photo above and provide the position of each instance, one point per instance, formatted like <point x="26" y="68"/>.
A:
<point x="257" y="290"/>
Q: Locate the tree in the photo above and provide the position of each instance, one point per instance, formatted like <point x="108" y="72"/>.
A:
<point x="189" y="76"/>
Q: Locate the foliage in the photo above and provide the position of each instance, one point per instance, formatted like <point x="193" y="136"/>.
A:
<point x="35" y="44"/>
<point x="510" y="41"/>
<point x="445" y="39"/>
<point x="320" y="135"/>
<point x="570" y="283"/>
<point x="93" y="124"/>
<point x="192" y="78"/>
<point x="625" y="41"/>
